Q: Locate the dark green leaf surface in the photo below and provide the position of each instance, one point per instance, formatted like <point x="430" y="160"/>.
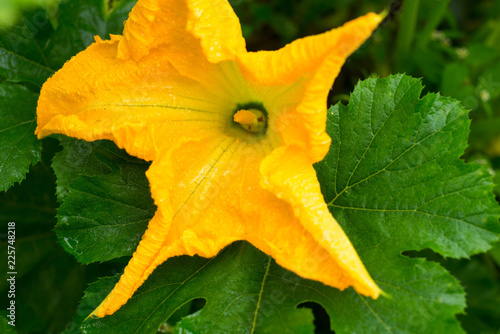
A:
<point x="19" y="69"/>
<point x="495" y="254"/>
<point x="33" y="203"/>
<point x="19" y="147"/>
<point x="117" y="16"/>
<point x="79" y="22"/>
<point x="394" y="181"/>
<point x="29" y="53"/>
<point x="480" y="279"/>
<point x="49" y="293"/>
<point x="107" y="203"/>
<point x="49" y="283"/>
<point x="22" y="59"/>
<point x="5" y="328"/>
<point x="32" y="50"/>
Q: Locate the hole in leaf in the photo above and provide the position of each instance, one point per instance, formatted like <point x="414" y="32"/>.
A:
<point x="426" y="253"/>
<point x="197" y="304"/>
<point x="321" y="318"/>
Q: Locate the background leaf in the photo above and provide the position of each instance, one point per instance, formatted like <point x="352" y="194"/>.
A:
<point x="48" y="282"/>
<point x="19" y="148"/>
<point x="81" y="20"/>
<point x="22" y="59"/>
<point x="4" y="326"/>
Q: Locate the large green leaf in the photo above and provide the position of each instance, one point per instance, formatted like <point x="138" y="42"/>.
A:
<point x="243" y="287"/>
<point x="107" y="203"/>
<point x="398" y="185"/>
<point x="394" y="181"/>
<point x="396" y="165"/>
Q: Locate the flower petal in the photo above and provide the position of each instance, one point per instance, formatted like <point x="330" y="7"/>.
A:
<point x="196" y="215"/>
<point x="140" y="266"/>
<point x="288" y="173"/>
<point x="316" y="59"/>
<point x="139" y="106"/>
<point x="303" y="57"/>
<point x="181" y="25"/>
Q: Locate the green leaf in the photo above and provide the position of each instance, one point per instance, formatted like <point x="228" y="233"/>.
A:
<point x="479" y="276"/>
<point x="28" y="54"/>
<point x="396" y="161"/>
<point x="398" y="185"/>
<point x="81" y="20"/>
<point x="19" y="147"/>
<point x="117" y="16"/>
<point x="22" y="59"/>
<point x="245" y="292"/>
<point x="33" y="202"/>
<point x="76" y="159"/>
<point x="106" y="197"/>
<point x="11" y="10"/>
<point x="393" y="180"/>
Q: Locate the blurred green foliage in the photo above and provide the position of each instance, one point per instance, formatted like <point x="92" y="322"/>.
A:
<point x="453" y="45"/>
<point x="11" y="10"/>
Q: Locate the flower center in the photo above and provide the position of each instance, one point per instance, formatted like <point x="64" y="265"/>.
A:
<point x="252" y="120"/>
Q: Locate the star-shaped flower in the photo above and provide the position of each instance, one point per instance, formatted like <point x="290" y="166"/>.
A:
<point x="232" y="136"/>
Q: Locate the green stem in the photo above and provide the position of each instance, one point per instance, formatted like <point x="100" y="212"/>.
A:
<point x="435" y="19"/>
<point x="494" y="36"/>
<point x="407" y="28"/>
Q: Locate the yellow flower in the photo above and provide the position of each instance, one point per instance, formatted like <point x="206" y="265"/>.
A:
<point x="232" y="136"/>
